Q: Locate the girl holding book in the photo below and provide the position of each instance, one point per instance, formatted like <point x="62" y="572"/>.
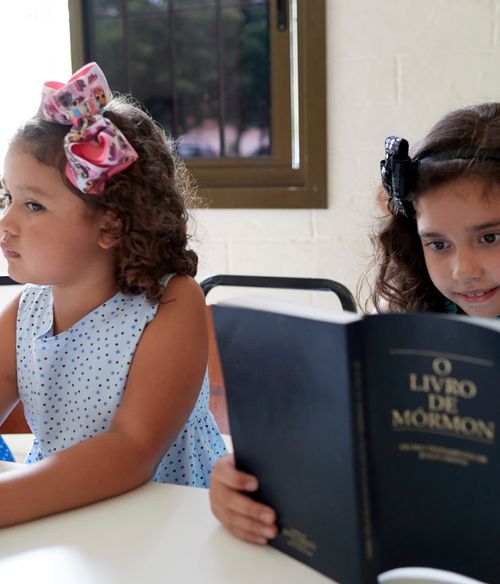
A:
<point x="437" y="249"/>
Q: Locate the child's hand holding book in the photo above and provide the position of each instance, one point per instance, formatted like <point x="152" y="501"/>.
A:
<point x="241" y="515"/>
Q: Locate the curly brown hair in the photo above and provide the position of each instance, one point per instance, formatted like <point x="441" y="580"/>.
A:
<point x="149" y="199"/>
<point x="402" y="282"/>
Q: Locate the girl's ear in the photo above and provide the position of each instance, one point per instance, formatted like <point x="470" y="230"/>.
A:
<point x="110" y="231"/>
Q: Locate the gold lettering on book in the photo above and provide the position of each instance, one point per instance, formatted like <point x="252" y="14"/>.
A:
<point x="299" y="541"/>
<point x="466" y="427"/>
<point x="463" y="388"/>
<point x="441" y="366"/>
<point x="442" y="411"/>
<point x="443" y="454"/>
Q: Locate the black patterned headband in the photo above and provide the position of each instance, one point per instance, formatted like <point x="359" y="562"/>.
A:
<point x="399" y="171"/>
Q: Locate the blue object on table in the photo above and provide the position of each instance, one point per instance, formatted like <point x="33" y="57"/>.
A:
<point x="5" y="453"/>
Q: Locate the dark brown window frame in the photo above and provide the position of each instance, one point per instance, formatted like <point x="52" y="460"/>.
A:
<point x="270" y="181"/>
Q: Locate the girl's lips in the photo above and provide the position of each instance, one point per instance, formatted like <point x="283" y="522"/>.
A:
<point x="9" y="253"/>
<point x="477" y="296"/>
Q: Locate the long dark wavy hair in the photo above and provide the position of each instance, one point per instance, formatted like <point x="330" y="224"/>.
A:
<point x="149" y="199"/>
<point x="401" y="281"/>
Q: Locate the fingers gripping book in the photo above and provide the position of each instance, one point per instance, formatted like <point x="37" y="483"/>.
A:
<point x="373" y="437"/>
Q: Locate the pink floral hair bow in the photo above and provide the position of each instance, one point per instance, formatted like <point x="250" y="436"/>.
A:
<point x="95" y="148"/>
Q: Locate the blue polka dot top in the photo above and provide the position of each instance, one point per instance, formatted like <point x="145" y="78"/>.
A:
<point x="71" y="384"/>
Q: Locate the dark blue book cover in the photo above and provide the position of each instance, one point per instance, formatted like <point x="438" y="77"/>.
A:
<point x="280" y="374"/>
<point x="432" y="387"/>
<point x="374" y="438"/>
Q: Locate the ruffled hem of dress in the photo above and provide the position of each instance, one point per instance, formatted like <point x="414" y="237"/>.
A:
<point x="191" y="458"/>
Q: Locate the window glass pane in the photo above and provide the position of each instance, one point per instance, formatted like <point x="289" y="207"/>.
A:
<point x="149" y="70"/>
<point x="107" y="7"/>
<point x="147" y="5"/>
<point x="201" y="67"/>
<point x="196" y="4"/>
<point x="197" y="81"/>
<point x="108" y="42"/>
<point x="247" y="86"/>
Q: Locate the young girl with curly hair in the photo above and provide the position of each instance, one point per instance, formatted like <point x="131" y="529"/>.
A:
<point x="437" y="249"/>
<point x="106" y="345"/>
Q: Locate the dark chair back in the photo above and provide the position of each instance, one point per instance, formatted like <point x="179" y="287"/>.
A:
<point x="346" y="298"/>
<point x="218" y="405"/>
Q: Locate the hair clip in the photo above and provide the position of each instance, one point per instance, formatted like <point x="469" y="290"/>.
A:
<point x="397" y="171"/>
<point x="95" y="148"/>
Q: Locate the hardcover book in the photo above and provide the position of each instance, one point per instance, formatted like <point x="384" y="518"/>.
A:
<point x="373" y="437"/>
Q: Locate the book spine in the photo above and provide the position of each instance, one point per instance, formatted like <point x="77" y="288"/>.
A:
<point x="362" y="460"/>
<point x="360" y="439"/>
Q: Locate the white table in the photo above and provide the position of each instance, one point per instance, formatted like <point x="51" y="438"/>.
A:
<point x="157" y="533"/>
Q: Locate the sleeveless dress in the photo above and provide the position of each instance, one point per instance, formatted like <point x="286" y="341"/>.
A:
<point x="71" y="384"/>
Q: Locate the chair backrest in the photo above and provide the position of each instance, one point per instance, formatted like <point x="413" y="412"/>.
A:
<point x="218" y="404"/>
<point x="346" y="298"/>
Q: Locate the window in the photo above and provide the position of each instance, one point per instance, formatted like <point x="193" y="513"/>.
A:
<point x="240" y="83"/>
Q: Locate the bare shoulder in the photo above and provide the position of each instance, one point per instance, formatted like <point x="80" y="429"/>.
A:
<point x="182" y="306"/>
<point x="182" y="286"/>
<point x="182" y="294"/>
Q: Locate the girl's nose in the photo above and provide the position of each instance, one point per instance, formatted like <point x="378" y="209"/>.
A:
<point x="8" y="224"/>
<point x="467" y="267"/>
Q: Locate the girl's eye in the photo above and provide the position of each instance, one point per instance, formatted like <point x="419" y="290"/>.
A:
<point x="35" y="207"/>
<point x="490" y="237"/>
<point x="437" y="245"/>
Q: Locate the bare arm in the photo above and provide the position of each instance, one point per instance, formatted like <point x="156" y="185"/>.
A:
<point x="163" y="384"/>
<point x="8" y="372"/>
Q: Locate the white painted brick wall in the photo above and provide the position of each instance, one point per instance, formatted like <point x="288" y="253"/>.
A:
<point x="394" y="67"/>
